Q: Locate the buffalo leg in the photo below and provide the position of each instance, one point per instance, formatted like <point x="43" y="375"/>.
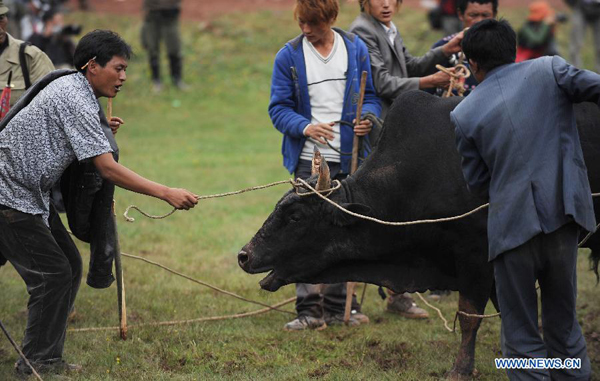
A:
<point x="465" y="361"/>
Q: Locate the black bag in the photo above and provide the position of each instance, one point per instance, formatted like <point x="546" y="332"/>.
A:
<point x="435" y="18"/>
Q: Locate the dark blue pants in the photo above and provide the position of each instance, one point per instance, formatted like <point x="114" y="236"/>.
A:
<point x="51" y="266"/>
<point x="551" y="259"/>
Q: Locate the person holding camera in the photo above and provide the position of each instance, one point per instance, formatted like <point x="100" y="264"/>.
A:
<point x="55" y="39"/>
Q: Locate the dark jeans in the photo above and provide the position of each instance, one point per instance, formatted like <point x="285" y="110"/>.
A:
<point x="316" y="299"/>
<point x="51" y="266"/>
<point x="551" y="259"/>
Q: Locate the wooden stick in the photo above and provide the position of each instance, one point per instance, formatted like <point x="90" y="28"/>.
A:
<point x="350" y="286"/>
<point x="120" y="287"/>
<point x="109" y="110"/>
<point x="118" y="265"/>
<point x="357" y="139"/>
<point x="36" y="374"/>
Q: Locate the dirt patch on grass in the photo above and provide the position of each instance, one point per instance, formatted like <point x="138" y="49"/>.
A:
<point x="320" y="372"/>
<point x="388" y="356"/>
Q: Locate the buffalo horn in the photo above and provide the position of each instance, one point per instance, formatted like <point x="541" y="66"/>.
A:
<point x="316" y="161"/>
<point x="324" y="180"/>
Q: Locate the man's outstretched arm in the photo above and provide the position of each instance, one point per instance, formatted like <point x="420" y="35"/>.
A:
<point x="125" y="178"/>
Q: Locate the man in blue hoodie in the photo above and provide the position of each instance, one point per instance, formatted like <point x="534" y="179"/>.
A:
<point x="315" y="86"/>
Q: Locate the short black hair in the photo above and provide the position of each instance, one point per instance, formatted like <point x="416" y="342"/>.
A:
<point x="49" y="14"/>
<point x="461" y="5"/>
<point x="101" y="44"/>
<point x="490" y="43"/>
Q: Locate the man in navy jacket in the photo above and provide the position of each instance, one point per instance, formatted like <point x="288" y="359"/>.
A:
<point x="520" y="148"/>
<point x="316" y="84"/>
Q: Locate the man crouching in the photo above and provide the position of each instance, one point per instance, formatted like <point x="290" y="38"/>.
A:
<point x="59" y="125"/>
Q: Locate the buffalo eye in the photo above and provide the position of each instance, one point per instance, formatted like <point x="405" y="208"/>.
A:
<point x="294" y="218"/>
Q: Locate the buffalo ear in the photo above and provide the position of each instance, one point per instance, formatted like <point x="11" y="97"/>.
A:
<point x="341" y="218"/>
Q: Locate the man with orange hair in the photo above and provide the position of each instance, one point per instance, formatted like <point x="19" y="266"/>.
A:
<point x="314" y="89"/>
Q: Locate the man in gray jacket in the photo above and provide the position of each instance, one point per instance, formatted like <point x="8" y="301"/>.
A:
<point x="520" y="148"/>
<point x="394" y="69"/>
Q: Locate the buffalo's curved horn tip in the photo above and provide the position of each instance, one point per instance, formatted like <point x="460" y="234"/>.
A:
<point x="324" y="180"/>
<point x="316" y="161"/>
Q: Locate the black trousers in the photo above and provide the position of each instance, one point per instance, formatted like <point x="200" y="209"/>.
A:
<point x="551" y="259"/>
<point x="51" y="266"/>
<point x="316" y="299"/>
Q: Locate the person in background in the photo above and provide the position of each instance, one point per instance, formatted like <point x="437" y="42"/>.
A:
<point x="55" y="39"/>
<point x="18" y="9"/>
<point x="520" y="149"/>
<point x="161" y="23"/>
<point x="315" y="84"/>
<point x="32" y="22"/>
<point x="536" y="36"/>
<point x="36" y="63"/>
<point x="449" y="17"/>
<point x="586" y="13"/>
<point x="469" y="12"/>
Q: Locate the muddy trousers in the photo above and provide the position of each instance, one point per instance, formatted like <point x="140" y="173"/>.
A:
<point x="51" y="266"/>
<point x="316" y="299"/>
<point x="551" y="259"/>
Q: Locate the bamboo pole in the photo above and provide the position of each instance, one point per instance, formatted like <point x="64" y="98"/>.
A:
<point x="118" y="264"/>
<point x="350" y="286"/>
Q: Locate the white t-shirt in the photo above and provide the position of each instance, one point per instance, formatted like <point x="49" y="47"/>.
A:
<point x="326" y="78"/>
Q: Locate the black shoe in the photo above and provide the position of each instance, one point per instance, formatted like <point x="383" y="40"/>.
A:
<point x="48" y="367"/>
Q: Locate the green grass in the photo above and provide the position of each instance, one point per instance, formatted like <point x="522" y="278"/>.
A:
<point x="216" y="138"/>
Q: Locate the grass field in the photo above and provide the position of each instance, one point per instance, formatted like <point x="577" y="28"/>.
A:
<point x="217" y="137"/>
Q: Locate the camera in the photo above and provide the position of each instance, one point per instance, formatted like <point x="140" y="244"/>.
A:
<point x="561" y="18"/>
<point x="71" y="30"/>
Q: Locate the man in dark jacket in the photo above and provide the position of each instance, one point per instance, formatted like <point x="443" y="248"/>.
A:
<point x="520" y="148"/>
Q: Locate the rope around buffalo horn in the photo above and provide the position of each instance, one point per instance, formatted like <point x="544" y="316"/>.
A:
<point x="130" y="219"/>
<point x="391" y="223"/>
<point x="295" y="184"/>
<point x="300" y="183"/>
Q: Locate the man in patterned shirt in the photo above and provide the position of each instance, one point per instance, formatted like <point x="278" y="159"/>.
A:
<point x="59" y="125"/>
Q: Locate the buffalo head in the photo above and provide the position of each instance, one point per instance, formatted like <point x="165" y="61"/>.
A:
<point x="303" y="236"/>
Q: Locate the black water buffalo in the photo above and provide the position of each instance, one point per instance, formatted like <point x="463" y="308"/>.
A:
<point x="413" y="174"/>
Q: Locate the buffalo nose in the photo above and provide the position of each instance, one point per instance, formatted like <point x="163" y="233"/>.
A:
<point x="243" y="259"/>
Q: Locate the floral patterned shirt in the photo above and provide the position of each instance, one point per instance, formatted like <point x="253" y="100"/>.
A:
<point x="60" y="124"/>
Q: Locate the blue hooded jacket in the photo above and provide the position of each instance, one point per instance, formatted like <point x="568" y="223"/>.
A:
<point x="289" y="108"/>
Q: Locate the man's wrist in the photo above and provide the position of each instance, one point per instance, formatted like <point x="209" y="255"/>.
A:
<point x="304" y="130"/>
<point x="446" y="50"/>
